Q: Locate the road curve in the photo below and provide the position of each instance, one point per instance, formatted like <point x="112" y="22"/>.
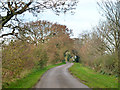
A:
<point x="59" y="77"/>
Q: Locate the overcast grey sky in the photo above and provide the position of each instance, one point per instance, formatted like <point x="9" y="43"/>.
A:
<point x="86" y="16"/>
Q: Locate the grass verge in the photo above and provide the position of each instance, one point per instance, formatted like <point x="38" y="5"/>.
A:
<point x="91" y="78"/>
<point x="31" y="79"/>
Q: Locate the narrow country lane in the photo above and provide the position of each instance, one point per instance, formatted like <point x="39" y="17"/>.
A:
<point x="59" y="77"/>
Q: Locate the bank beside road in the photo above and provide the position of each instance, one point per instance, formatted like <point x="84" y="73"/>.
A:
<point x="32" y="78"/>
<point x="91" y="78"/>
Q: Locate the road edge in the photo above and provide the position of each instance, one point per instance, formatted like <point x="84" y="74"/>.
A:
<point x="77" y="78"/>
<point x="44" y="74"/>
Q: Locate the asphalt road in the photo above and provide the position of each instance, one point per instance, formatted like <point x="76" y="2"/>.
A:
<point x="59" y="77"/>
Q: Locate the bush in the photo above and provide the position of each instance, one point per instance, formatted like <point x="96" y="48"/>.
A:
<point x="19" y="56"/>
<point x="105" y="64"/>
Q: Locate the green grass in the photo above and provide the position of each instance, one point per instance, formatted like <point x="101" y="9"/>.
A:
<point x="31" y="79"/>
<point x="93" y="79"/>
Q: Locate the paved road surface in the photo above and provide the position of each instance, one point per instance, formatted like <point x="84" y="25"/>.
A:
<point x="59" y="77"/>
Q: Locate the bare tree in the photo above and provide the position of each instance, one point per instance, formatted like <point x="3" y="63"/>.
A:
<point x="13" y="8"/>
<point x="110" y="29"/>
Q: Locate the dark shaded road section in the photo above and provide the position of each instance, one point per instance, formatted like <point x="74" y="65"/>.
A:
<point x="59" y="77"/>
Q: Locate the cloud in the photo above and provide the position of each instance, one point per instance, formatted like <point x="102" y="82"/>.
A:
<point x="86" y="16"/>
<point x="86" y="1"/>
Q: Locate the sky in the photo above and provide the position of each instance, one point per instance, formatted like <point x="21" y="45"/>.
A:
<point x="86" y="16"/>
